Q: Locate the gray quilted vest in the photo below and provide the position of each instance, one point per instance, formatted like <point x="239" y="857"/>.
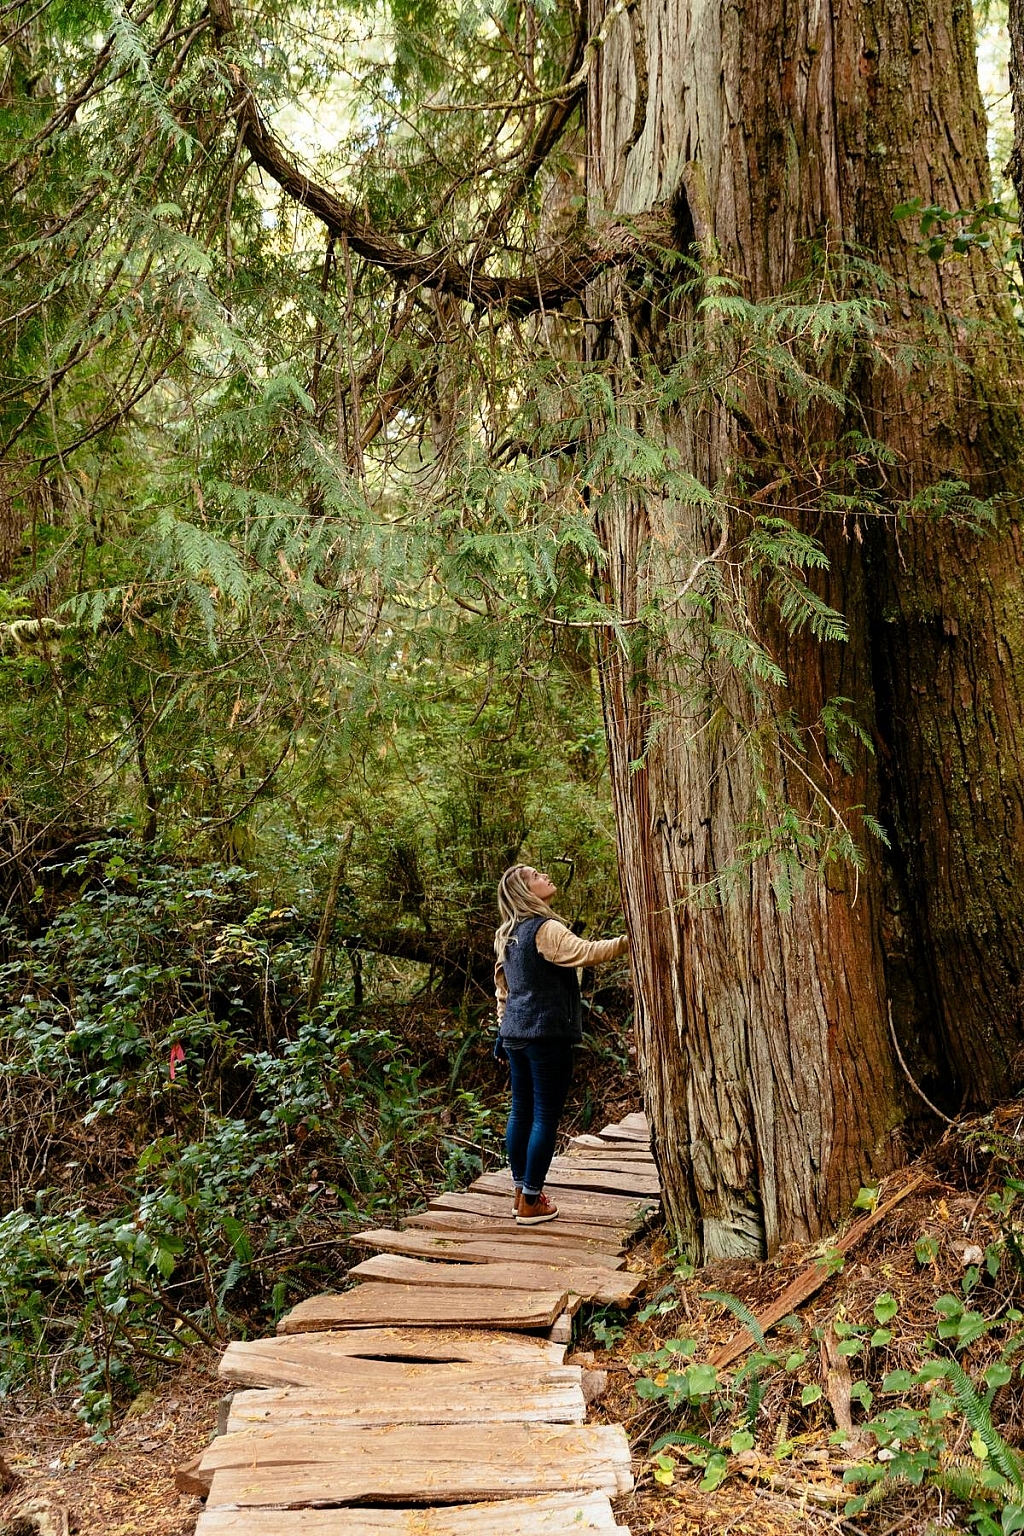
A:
<point x="543" y="999"/>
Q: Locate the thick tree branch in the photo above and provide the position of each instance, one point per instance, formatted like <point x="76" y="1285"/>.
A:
<point x="561" y="276"/>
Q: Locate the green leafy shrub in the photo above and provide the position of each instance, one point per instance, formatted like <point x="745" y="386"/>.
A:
<point x="176" y="1118"/>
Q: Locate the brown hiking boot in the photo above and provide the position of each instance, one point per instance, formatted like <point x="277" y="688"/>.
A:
<point x="516" y="1199"/>
<point x="533" y="1209"/>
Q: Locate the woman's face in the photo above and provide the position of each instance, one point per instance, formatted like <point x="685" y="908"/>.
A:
<point x="539" y="885"/>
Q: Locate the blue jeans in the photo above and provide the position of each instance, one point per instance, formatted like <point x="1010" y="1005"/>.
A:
<point x="541" y="1074"/>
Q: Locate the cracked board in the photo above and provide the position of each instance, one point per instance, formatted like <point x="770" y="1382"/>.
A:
<point x="385" y="1392"/>
<point x="590" y="1282"/>
<point x="331" y="1359"/>
<point x="292" y="1468"/>
<point x="552" y="1515"/>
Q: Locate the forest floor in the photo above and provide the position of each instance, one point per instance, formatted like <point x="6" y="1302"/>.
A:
<point x="753" y="1452"/>
<point x="122" y="1486"/>
<point x="935" y="1285"/>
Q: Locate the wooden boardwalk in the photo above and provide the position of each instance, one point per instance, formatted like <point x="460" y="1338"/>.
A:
<point x="432" y="1398"/>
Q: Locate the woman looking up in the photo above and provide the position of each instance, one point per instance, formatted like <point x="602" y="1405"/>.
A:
<point x="539" y="1022"/>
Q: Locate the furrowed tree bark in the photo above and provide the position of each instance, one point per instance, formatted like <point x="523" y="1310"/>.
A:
<point x="763" y="1038"/>
<point x="1015" y="167"/>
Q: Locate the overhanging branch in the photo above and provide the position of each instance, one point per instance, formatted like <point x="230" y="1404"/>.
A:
<point x="562" y="276"/>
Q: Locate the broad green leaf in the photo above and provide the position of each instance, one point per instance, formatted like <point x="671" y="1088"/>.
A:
<point x="886" y="1307"/>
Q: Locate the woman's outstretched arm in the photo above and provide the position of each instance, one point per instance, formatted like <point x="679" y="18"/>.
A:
<point x="561" y="946"/>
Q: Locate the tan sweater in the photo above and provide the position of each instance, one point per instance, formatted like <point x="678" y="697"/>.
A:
<point x="561" y="946"/>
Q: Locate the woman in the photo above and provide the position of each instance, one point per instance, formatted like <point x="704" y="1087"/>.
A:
<point x="539" y="1022"/>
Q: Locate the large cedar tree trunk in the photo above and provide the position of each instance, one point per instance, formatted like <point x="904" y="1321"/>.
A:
<point x="1015" y="168"/>
<point x="764" y="1033"/>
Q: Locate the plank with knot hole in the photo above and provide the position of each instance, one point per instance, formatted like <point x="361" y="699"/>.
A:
<point x="331" y="1359"/>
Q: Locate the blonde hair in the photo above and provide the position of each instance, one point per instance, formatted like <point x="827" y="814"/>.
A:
<point x="515" y="902"/>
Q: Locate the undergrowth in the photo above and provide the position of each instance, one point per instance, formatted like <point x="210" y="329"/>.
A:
<point x="185" y="1143"/>
<point x="899" y="1388"/>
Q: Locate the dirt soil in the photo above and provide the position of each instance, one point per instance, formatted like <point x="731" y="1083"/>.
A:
<point x="122" y="1487"/>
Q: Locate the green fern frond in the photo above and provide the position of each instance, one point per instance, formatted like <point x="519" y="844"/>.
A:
<point x="874" y="826"/>
<point x="968" y="1479"/>
<point x="739" y="1311"/>
<point x="755" y="1397"/>
<point x="1001" y="1457"/>
<point x="728" y="306"/>
<point x="775" y="541"/>
<point x="799" y="605"/>
<point x="876" y="1494"/>
<point x="681" y="1437"/>
<point x="130" y="51"/>
<point x="744" y="653"/>
<point x="185" y="548"/>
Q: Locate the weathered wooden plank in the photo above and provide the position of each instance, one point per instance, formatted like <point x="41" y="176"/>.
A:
<point x="561" y="1329"/>
<point x="610" y="1238"/>
<point x="620" y="1181"/>
<point x="566" y="1174"/>
<point x="431" y="1464"/>
<point x="618" y="1158"/>
<point x="636" y="1121"/>
<point x="425" y="1305"/>
<point x="597" y="1209"/>
<point x="613" y="1163"/>
<point x="420" y="1394"/>
<point x="626" y="1130"/>
<point x="550" y="1515"/>
<point x="574" y="1202"/>
<point x="470" y="1250"/>
<point x="608" y="1147"/>
<point x="332" y="1359"/>
<point x="591" y="1283"/>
